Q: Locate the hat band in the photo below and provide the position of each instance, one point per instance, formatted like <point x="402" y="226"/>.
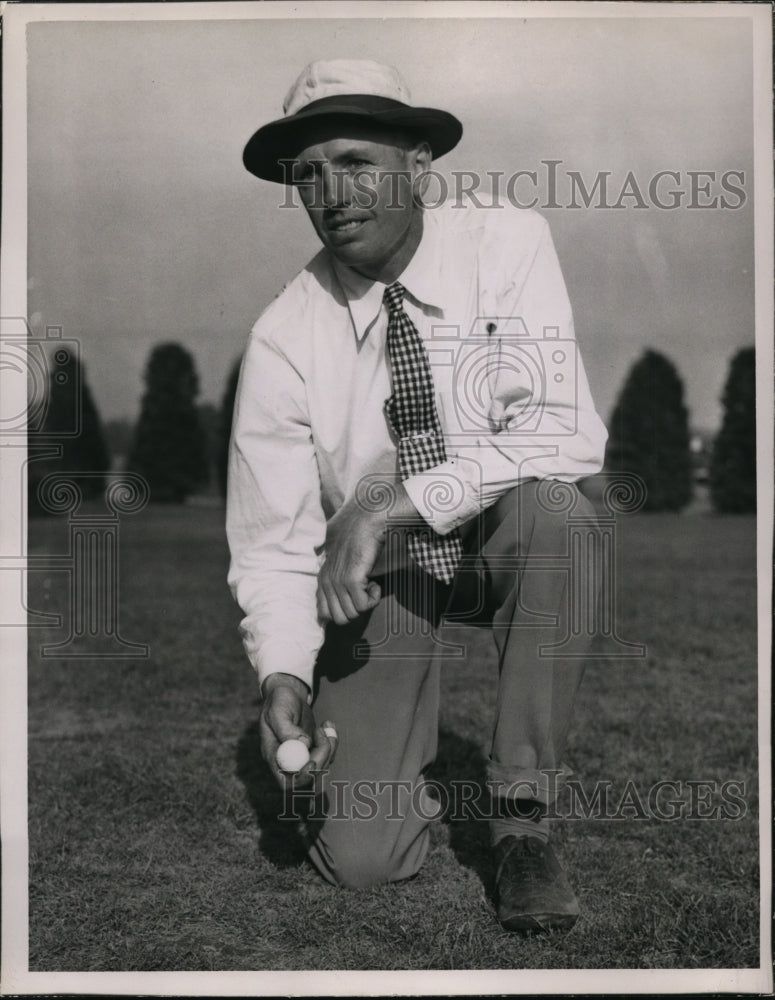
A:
<point x="367" y="103"/>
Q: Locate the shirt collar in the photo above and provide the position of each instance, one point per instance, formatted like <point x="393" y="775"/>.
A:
<point x="421" y="278"/>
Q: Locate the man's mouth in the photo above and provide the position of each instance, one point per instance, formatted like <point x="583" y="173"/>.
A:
<point x="344" y="225"/>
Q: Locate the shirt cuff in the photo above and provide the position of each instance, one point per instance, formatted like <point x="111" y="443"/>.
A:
<point x="443" y="496"/>
<point x="277" y="656"/>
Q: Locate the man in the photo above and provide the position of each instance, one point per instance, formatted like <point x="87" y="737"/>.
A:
<point x="401" y="407"/>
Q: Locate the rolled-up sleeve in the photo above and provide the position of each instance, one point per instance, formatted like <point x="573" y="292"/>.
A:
<point x="539" y="421"/>
<point x="274" y="518"/>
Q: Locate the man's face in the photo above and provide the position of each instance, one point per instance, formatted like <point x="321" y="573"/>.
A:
<point x="361" y="194"/>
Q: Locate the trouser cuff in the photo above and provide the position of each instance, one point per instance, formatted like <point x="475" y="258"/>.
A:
<point x="541" y="784"/>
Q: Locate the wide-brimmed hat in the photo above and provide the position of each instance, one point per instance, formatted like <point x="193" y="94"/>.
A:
<point x="343" y="92"/>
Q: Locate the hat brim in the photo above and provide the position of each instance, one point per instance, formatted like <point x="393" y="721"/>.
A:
<point x="285" y="138"/>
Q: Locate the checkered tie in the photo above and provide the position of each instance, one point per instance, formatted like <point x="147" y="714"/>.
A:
<point x="412" y="414"/>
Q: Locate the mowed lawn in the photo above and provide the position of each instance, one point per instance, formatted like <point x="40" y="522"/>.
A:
<point x="153" y="838"/>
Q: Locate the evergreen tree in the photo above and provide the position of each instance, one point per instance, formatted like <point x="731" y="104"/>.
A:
<point x="169" y="447"/>
<point x="650" y="433"/>
<point x="227" y="412"/>
<point x="71" y="421"/>
<point x="733" y="461"/>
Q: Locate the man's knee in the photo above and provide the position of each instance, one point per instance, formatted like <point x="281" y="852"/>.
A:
<point x="535" y="515"/>
<point x="358" y="869"/>
<point x="356" y="857"/>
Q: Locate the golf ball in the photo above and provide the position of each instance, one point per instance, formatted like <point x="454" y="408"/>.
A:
<point x="292" y="755"/>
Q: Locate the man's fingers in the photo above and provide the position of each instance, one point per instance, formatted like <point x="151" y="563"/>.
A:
<point x="337" y="612"/>
<point x="269" y="750"/>
<point x="285" y="732"/>
<point x="361" y="595"/>
<point x="270" y="745"/>
<point x="343" y="598"/>
<point x="347" y="601"/>
<point x="268" y="742"/>
<point x="323" y="747"/>
<point x="282" y="714"/>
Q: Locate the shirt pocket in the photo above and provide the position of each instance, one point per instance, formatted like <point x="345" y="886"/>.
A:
<point x="466" y="403"/>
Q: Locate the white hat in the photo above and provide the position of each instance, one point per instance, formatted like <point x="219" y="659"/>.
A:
<point x="338" y="91"/>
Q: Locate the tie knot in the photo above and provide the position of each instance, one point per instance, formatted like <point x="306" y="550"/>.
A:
<point x="394" y="296"/>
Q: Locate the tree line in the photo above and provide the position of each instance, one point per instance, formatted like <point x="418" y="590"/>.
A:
<point x="180" y="446"/>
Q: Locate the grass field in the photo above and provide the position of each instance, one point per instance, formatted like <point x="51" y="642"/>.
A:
<point x="153" y="838"/>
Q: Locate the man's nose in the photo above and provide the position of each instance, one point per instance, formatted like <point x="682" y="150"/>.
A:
<point x="334" y="188"/>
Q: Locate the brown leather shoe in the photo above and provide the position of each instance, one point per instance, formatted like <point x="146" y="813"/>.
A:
<point x="534" y="895"/>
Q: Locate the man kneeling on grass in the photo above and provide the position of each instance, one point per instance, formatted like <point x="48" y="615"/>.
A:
<point x="401" y="404"/>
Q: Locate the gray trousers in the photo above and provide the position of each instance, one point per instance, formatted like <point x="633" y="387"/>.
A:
<point x="377" y="680"/>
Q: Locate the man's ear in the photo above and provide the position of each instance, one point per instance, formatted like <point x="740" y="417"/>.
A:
<point x="420" y="158"/>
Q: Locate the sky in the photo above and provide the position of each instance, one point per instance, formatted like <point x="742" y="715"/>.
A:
<point x="145" y="227"/>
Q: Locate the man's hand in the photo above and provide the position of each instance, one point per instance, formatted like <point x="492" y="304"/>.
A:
<point x="286" y="715"/>
<point x="354" y="540"/>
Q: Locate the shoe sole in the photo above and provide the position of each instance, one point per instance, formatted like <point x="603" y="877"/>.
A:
<point x="539" y="923"/>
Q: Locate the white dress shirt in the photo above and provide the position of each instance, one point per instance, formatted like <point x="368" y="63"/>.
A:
<point x="485" y="291"/>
